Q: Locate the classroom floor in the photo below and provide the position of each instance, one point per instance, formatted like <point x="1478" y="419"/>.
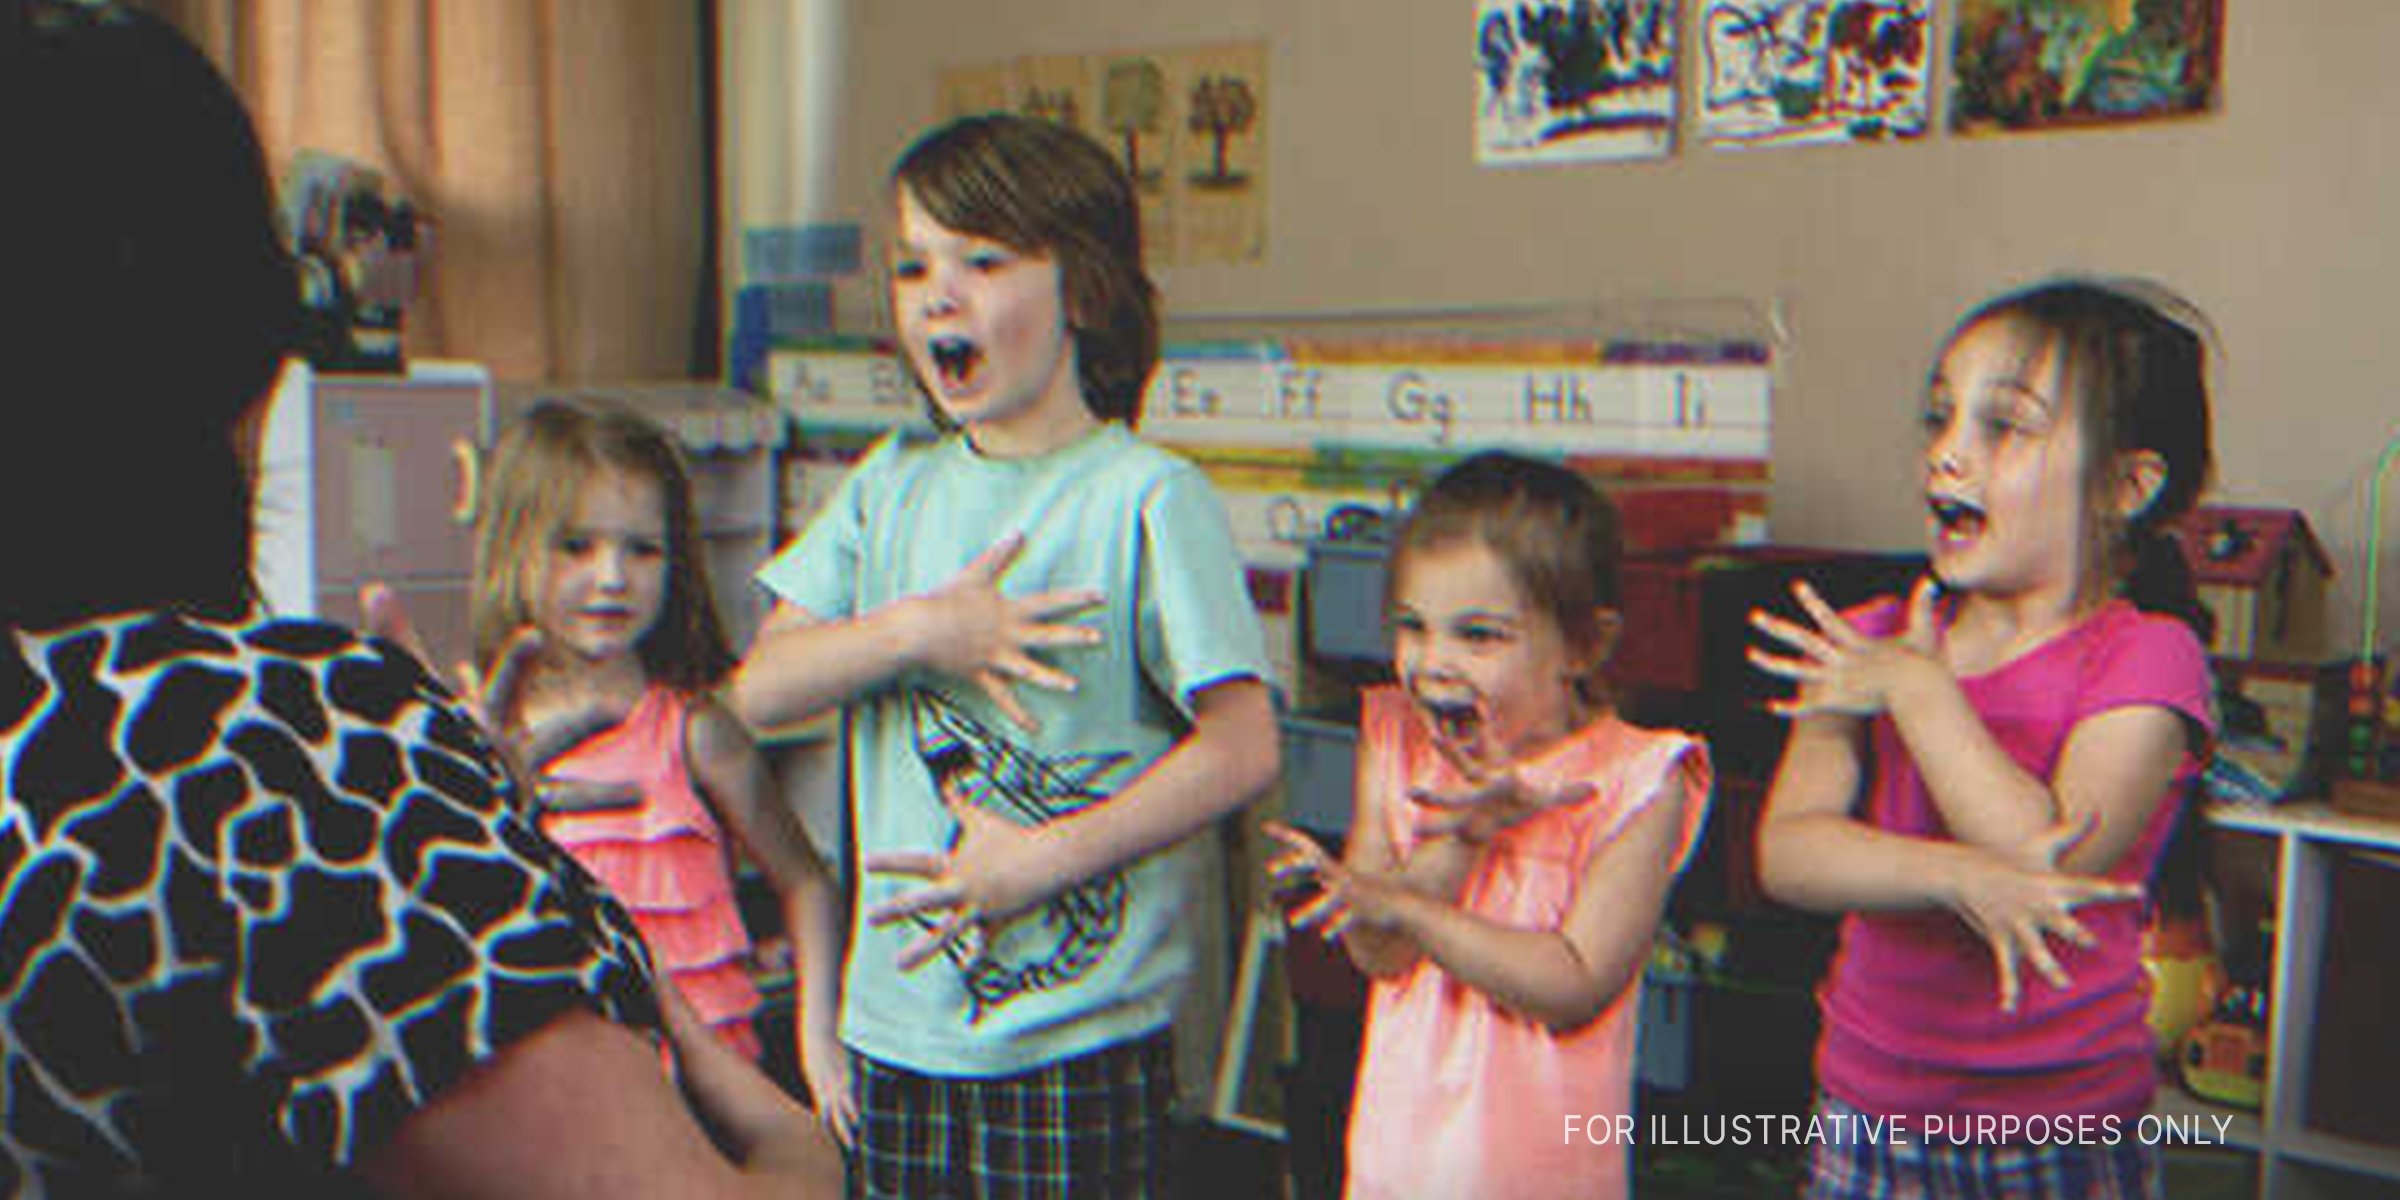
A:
<point x="1214" y="1161"/>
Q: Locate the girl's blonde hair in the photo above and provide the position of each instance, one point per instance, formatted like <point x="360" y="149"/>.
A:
<point x="1555" y="534"/>
<point x="536" y="476"/>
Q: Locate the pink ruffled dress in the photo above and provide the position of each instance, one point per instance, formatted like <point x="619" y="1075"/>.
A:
<point x="666" y="860"/>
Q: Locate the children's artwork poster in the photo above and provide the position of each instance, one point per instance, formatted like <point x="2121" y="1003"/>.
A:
<point x="1578" y="81"/>
<point x="1811" y="72"/>
<point x="1136" y="120"/>
<point x="1057" y="87"/>
<point x="1219" y="181"/>
<point x="1189" y="124"/>
<point x="980" y="88"/>
<point x="2036" y="64"/>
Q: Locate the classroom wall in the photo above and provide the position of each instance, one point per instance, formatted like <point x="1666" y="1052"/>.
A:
<point x="2275" y="214"/>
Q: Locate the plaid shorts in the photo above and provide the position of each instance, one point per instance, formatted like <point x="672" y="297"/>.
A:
<point x="1940" y="1170"/>
<point x="1096" y="1125"/>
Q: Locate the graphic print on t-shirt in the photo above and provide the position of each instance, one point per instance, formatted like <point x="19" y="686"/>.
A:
<point x="1064" y="938"/>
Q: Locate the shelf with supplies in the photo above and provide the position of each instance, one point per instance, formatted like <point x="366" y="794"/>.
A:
<point x="2326" y="1127"/>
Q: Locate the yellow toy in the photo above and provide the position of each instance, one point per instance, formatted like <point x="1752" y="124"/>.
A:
<point x="2225" y="1056"/>
<point x="2185" y="979"/>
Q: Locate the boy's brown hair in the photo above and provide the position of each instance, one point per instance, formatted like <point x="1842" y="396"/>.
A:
<point x="1044" y="189"/>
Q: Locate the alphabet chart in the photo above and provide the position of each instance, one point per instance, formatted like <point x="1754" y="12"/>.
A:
<point x="1296" y="430"/>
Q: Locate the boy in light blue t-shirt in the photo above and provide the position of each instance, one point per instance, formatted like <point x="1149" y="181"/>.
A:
<point x="1021" y="940"/>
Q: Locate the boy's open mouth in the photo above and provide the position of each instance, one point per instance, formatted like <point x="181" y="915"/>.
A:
<point x="1956" y="518"/>
<point x="954" y="359"/>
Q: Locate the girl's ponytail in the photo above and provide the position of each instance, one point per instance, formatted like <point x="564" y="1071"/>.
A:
<point x="2159" y="580"/>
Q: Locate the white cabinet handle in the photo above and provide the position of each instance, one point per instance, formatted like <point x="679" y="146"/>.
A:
<point x="470" y="481"/>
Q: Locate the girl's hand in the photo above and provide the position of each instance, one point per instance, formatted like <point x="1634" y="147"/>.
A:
<point x="497" y="704"/>
<point x="730" y="1092"/>
<point x="558" y="794"/>
<point x="2018" y="902"/>
<point x="825" y="1065"/>
<point x="572" y="720"/>
<point x="993" y="871"/>
<point x="1839" y="669"/>
<point x="563" y="727"/>
<point x="1346" y="896"/>
<point x="968" y="629"/>
<point x="1480" y="813"/>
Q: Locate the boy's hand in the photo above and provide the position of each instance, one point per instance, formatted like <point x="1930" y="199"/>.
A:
<point x="2018" y="902"/>
<point x="994" y="871"/>
<point x="967" y="628"/>
<point x="1839" y="669"/>
<point x="1480" y="813"/>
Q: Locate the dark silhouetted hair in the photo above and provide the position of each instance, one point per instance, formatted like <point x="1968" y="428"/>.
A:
<point x="149" y="302"/>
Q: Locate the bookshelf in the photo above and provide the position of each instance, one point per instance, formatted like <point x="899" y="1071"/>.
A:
<point x="2298" y="1157"/>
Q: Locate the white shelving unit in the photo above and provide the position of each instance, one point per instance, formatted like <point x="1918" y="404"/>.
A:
<point x="2297" y="1160"/>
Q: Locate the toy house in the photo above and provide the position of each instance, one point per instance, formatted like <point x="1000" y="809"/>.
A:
<point x="2263" y="573"/>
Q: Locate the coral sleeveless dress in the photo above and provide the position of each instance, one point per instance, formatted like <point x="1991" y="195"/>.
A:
<point x="665" y="860"/>
<point x="1459" y="1098"/>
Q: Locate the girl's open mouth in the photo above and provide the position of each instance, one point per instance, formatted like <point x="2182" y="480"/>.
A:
<point x="1457" y="722"/>
<point x="1957" y="519"/>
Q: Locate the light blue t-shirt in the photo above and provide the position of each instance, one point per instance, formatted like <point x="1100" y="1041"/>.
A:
<point x="1104" y="961"/>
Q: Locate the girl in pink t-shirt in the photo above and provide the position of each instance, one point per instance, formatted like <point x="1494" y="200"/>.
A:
<point x="1983" y="777"/>
<point x="1509" y="856"/>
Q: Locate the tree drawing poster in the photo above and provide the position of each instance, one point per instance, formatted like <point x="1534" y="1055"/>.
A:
<point x="1189" y="125"/>
<point x="1219" y="177"/>
<point x="2036" y="64"/>
<point x="1807" y="72"/>
<point x="1573" y="80"/>
<point x="1135" y="118"/>
<point x="982" y="88"/>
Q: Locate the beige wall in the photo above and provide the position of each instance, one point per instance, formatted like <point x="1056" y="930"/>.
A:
<point x="2276" y="215"/>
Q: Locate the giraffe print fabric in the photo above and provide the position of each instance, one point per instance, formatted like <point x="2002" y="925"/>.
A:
<point x="263" y="893"/>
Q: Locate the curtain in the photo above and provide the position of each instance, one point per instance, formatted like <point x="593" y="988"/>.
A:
<point x="559" y="148"/>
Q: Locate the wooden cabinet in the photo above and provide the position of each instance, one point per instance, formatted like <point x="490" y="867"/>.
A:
<point x="371" y="477"/>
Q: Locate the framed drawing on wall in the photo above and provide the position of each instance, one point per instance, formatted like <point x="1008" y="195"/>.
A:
<point x="1559" y="83"/>
<point x="2036" y="64"/>
<point x="1809" y="72"/>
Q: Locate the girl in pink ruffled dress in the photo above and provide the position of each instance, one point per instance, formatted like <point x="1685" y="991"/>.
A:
<point x="591" y="614"/>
